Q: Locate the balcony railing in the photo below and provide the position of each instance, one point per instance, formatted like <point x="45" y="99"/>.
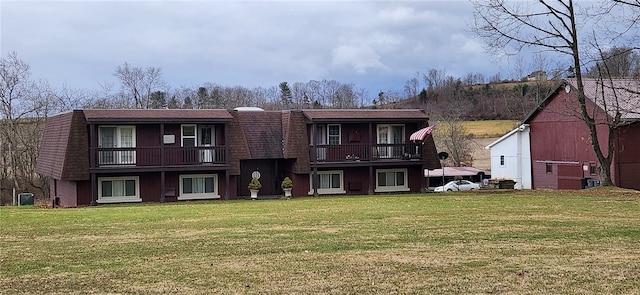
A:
<point x="365" y="152"/>
<point x="159" y="156"/>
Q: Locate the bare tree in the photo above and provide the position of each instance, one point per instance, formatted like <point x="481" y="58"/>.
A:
<point x="140" y="83"/>
<point x="452" y="136"/>
<point x="24" y="106"/>
<point x="510" y="27"/>
<point x="412" y="86"/>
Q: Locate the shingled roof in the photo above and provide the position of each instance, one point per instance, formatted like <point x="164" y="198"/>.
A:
<point x="63" y="150"/>
<point x="296" y="141"/>
<point x="157" y="115"/>
<point x="619" y="95"/>
<point x="262" y="131"/>
<point x="373" y="115"/>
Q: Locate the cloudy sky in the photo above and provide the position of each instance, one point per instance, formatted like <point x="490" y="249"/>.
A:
<point x="374" y="45"/>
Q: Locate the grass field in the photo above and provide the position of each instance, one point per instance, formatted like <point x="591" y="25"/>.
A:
<point x="489" y="128"/>
<point x="543" y="242"/>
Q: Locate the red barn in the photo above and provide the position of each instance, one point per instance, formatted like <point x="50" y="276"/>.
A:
<point x="562" y="155"/>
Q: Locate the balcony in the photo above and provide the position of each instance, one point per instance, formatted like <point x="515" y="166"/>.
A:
<point x="366" y="152"/>
<point x="158" y="156"/>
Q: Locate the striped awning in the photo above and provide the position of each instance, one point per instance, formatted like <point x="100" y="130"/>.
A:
<point x="422" y="133"/>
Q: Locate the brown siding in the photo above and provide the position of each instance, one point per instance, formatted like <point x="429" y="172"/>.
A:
<point x="148" y="135"/>
<point x="67" y="193"/>
<point x="627" y="160"/>
<point x="569" y="176"/>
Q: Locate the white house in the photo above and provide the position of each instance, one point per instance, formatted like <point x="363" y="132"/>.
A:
<point x="511" y="157"/>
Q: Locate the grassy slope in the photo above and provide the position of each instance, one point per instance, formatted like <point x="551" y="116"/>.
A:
<point x="511" y="243"/>
<point x="489" y="128"/>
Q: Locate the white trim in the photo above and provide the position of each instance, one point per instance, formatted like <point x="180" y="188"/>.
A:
<point x="195" y="136"/>
<point x="328" y="191"/>
<point x="121" y="199"/>
<point x="119" y="157"/>
<point x="199" y="196"/>
<point x="339" y="133"/>
<point x="396" y="188"/>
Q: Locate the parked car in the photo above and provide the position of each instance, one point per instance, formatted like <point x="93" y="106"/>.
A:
<point x="457" y="185"/>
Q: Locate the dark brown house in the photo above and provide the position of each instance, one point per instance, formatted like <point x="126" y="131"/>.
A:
<point x="562" y="156"/>
<point x="115" y="156"/>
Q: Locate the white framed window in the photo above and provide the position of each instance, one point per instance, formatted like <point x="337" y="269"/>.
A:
<point x="334" y="134"/>
<point x="390" y="134"/>
<point x="202" y="137"/>
<point x="113" y="138"/>
<point x="329" y="182"/>
<point x="119" y="189"/>
<point x="392" y="180"/>
<point x="188" y="135"/>
<point x="198" y="186"/>
<point x="328" y="134"/>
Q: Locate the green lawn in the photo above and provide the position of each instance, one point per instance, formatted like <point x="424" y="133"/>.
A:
<point x="585" y="242"/>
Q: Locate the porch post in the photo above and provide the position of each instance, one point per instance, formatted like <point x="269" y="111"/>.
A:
<point x="93" y="164"/>
<point x="226" y="162"/>
<point x="226" y="179"/>
<point x="162" y="187"/>
<point x="94" y="190"/>
<point x="162" y="174"/>
<point x="371" y="147"/>
<point x="314" y="178"/>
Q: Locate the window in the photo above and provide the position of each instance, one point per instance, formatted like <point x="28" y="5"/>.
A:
<point x="391" y="180"/>
<point x="326" y="134"/>
<point x="549" y="168"/>
<point x="202" y="137"/>
<point x="118" y="189"/>
<point x="116" y="143"/>
<point x="333" y="134"/>
<point x="199" y="186"/>
<point x="388" y="135"/>
<point x="592" y="169"/>
<point x="501" y="160"/>
<point x="329" y="182"/>
<point x="188" y="135"/>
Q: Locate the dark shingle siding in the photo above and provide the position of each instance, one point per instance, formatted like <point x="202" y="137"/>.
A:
<point x="63" y="151"/>
<point x="77" y="162"/>
<point x="296" y="141"/>
<point x="263" y="133"/>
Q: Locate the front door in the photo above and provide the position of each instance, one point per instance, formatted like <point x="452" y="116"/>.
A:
<point x="270" y="176"/>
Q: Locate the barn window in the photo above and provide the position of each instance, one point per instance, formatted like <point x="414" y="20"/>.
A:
<point x="592" y="169"/>
<point x="549" y="168"/>
<point x="501" y="160"/>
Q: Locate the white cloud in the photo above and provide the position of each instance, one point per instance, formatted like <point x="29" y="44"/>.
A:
<point x="359" y="57"/>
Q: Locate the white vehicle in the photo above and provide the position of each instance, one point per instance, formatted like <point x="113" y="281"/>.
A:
<point x="457" y="185"/>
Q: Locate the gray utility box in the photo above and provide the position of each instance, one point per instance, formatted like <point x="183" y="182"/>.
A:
<point x="25" y="199"/>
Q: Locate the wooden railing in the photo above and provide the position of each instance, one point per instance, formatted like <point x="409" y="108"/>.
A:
<point x="159" y="156"/>
<point x="365" y="152"/>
